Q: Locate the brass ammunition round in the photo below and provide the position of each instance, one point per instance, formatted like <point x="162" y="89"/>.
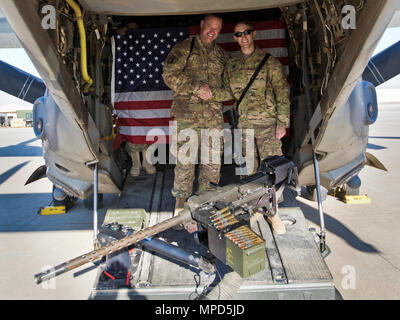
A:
<point x="220" y="211"/>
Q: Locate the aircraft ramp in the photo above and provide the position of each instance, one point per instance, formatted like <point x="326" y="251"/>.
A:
<point x="294" y="268"/>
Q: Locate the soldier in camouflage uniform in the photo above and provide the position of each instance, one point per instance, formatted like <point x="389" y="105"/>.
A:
<point x="266" y="106"/>
<point x="185" y="71"/>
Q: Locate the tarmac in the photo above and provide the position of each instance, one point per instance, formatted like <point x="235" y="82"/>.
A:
<point x="363" y="238"/>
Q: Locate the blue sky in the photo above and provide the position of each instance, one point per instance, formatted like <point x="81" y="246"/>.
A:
<point x="19" y="58"/>
<point x="391" y="36"/>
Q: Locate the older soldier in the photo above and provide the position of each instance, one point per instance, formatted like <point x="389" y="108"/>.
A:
<point x="191" y="64"/>
<point x="265" y="108"/>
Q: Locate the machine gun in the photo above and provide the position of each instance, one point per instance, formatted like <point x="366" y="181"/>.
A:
<point x="223" y="217"/>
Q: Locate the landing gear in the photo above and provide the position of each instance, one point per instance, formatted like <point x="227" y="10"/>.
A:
<point x="350" y="188"/>
<point x="88" y="202"/>
<point x="353" y="186"/>
<point x="311" y="193"/>
<point x="60" y="198"/>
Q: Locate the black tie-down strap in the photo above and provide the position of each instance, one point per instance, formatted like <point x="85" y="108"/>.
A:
<point x="253" y="77"/>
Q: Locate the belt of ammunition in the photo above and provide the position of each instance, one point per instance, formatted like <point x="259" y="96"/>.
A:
<point x="249" y="234"/>
<point x="220" y="212"/>
<point x="243" y="233"/>
<point x="222" y="226"/>
<point x="222" y="217"/>
<point x="216" y="215"/>
<point x="248" y="245"/>
<point x="244" y="238"/>
<point x="224" y="220"/>
<point x="236" y="238"/>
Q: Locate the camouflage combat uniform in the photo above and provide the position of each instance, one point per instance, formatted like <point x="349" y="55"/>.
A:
<point x="185" y="77"/>
<point x="266" y="104"/>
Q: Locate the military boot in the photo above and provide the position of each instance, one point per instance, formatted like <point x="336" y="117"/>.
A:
<point x="179" y="206"/>
<point x="148" y="167"/>
<point x="135" y="170"/>
<point x="277" y="225"/>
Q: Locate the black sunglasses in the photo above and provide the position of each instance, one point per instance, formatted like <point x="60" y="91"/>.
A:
<point x="246" y="32"/>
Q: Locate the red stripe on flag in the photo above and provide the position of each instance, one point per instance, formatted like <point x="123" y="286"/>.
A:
<point x="118" y="140"/>
<point x="143" y="105"/>
<point x="271" y="24"/>
<point x="152" y="122"/>
<point x="283" y="60"/>
<point x="147" y="140"/>
<point x="193" y="30"/>
<point x="271" y="43"/>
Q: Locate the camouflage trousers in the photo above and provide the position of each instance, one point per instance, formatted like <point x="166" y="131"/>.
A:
<point x="203" y="146"/>
<point x="266" y="144"/>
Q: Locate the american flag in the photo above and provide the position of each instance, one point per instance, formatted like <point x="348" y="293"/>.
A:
<point x="141" y="99"/>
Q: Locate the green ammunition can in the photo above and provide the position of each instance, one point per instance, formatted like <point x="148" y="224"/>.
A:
<point x="246" y="261"/>
<point x="134" y="218"/>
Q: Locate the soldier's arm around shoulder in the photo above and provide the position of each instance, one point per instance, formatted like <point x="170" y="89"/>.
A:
<point x="174" y="74"/>
<point x="280" y="87"/>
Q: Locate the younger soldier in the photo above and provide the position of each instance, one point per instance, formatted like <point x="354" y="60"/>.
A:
<point x="265" y="108"/>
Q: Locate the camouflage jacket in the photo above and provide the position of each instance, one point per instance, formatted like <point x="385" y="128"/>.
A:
<point x="267" y="100"/>
<point x="185" y="77"/>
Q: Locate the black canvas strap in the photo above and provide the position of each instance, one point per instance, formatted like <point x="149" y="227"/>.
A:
<point x="190" y="52"/>
<point x="253" y="77"/>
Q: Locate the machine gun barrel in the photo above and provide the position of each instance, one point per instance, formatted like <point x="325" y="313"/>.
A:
<point x="182" y="218"/>
<point x="223" y="212"/>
